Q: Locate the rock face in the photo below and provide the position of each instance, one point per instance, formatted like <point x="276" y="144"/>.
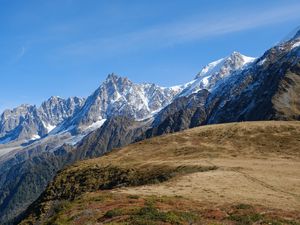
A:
<point x="182" y="113"/>
<point x="266" y="90"/>
<point x="118" y="96"/>
<point x="236" y="88"/>
<point x="115" y="132"/>
<point x="20" y="123"/>
<point x="27" y="122"/>
<point x="55" y="110"/>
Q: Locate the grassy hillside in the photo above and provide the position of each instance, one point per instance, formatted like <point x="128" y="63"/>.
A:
<point x="238" y="173"/>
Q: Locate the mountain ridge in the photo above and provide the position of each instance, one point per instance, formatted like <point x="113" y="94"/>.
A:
<point x="28" y="122"/>
<point x="117" y="96"/>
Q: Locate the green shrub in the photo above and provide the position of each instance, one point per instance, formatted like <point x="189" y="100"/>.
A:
<point x="133" y="197"/>
<point x="113" y="213"/>
<point x="246" y="219"/>
<point x="243" y="206"/>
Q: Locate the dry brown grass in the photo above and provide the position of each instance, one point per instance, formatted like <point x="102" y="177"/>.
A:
<point x="259" y="163"/>
<point x="256" y="163"/>
<point x="247" y="139"/>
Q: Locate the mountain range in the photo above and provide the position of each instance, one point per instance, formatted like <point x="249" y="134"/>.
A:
<point x="36" y="142"/>
<point x="117" y="96"/>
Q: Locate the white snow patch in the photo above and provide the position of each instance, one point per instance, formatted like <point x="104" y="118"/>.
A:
<point x="118" y="96"/>
<point x="145" y="101"/>
<point x="205" y="81"/>
<point x="176" y="88"/>
<point x="75" y="139"/>
<point x="35" y="137"/>
<point x="151" y="115"/>
<point x="96" y="125"/>
<point x="49" y="127"/>
<point x="211" y="68"/>
<point x="248" y="59"/>
<point x="296" y="44"/>
<point x="261" y="62"/>
<point x="5" y="150"/>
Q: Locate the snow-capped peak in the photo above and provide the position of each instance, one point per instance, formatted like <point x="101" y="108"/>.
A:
<point x="210" y="68"/>
<point x="52" y="98"/>
<point x="115" y="96"/>
<point x="214" y="71"/>
<point x="225" y="65"/>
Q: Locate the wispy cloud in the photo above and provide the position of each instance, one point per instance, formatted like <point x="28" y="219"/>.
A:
<point x="20" y="54"/>
<point x="191" y="29"/>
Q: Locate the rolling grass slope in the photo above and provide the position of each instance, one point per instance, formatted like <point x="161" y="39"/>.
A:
<point x="237" y="173"/>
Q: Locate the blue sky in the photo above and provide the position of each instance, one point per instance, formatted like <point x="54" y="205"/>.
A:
<point x="67" y="47"/>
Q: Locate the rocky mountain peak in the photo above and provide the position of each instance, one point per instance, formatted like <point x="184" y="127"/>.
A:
<point x="240" y="59"/>
<point x="27" y="122"/>
<point x="114" y="78"/>
<point x="118" y="96"/>
<point x="56" y="109"/>
<point x="54" y="99"/>
<point x="215" y="71"/>
<point x="225" y="66"/>
<point x="236" y="56"/>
